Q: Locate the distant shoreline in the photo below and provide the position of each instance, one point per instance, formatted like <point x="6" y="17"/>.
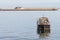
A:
<point x="30" y="9"/>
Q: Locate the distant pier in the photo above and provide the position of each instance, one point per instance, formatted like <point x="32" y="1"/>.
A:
<point x="28" y="9"/>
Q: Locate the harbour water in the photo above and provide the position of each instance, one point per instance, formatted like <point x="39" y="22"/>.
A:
<point x="22" y="25"/>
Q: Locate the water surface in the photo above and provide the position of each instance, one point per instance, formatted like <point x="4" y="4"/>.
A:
<point x="22" y="25"/>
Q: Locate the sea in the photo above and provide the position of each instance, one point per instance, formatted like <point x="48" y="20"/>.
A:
<point x="22" y="25"/>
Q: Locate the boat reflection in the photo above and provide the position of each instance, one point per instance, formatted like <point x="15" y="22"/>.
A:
<point x="44" y="35"/>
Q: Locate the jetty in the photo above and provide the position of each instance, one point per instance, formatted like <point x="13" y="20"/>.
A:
<point x="28" y="9"/>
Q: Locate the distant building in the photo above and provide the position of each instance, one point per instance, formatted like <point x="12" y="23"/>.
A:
<point x="18" y="7"/>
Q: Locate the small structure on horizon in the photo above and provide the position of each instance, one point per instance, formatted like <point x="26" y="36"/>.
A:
<point x="18" y="7"/>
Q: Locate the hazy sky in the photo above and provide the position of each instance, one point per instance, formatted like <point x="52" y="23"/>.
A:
<point x="30" y="3"/>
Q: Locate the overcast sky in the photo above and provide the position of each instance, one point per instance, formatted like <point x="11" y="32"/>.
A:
<point x="30" y="3"/>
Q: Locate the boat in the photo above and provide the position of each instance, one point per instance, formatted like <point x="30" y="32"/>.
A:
<point x="43" y="25"/>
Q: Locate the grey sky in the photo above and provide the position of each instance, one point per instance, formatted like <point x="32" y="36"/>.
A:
<point x="29" y="3"/>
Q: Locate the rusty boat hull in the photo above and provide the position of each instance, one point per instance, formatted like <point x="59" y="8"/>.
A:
<point x="43" y="28"/>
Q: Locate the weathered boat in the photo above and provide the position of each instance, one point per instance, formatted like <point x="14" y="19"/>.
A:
<point x="43" y="25"/>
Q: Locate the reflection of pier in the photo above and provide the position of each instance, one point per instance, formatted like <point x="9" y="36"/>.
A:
<point x="28" y="9"/>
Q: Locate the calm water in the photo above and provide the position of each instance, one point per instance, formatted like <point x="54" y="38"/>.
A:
<point x="23" y="25"/>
